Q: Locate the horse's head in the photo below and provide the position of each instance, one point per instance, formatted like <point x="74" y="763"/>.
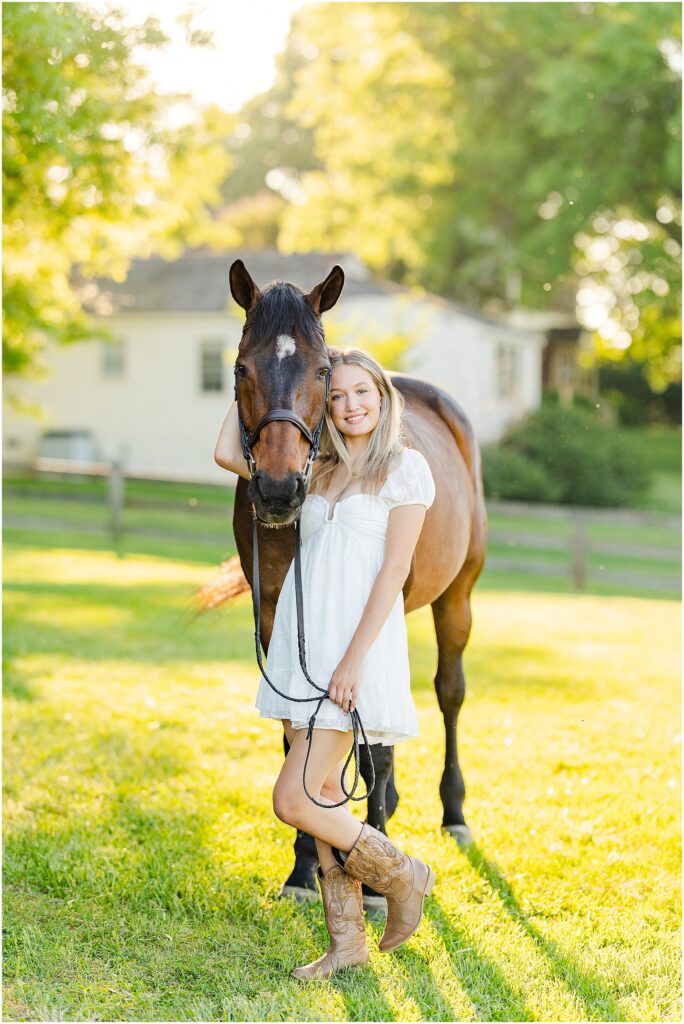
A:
<point x="282" y="363"/>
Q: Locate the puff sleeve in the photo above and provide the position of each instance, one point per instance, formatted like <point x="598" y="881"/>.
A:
<point x="411" y="483"/>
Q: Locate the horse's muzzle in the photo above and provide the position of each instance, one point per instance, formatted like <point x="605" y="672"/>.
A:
<point x="277" y="502"/>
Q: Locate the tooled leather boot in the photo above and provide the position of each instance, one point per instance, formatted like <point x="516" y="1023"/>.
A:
<point x="343" y="905"/>
<point x="404" y="881"/>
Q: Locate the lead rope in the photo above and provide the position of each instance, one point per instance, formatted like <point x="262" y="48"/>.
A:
<point x="356" y="723"/>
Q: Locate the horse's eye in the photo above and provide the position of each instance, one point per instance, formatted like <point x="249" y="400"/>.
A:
<point x="241" y="369"/>
<point x="323" y="373"/>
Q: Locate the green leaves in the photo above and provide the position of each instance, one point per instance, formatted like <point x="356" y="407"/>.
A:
<point x="465" y="147"/>
<point x="93" y="172"/>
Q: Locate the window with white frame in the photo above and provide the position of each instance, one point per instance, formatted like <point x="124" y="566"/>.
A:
<point x="507" y="370"/>
<point x="113" y="357"/>
<point x="212" y="365"/>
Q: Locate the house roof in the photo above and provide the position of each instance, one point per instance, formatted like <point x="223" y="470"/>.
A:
<point x="199" y="283"/>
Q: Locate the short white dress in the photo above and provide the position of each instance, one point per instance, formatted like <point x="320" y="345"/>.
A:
<point x="341" y="554"/>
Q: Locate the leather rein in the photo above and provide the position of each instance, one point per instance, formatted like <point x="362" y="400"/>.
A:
<point x="248" y="440"/>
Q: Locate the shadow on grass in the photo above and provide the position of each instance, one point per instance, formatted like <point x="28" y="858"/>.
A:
<point x="17" y="683"/>
<point x="588" y="989"/>
<point x="162" y="882"/>
<point x="359" y="987"/>
<point x="481" y="980"/>
<point x="141" y="892"/>
<point x="189" y="913"/>
<point x="155" y="624"/>
<point x="419" y="983"/>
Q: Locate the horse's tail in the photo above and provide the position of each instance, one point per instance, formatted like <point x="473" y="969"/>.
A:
<point x="229" y="582"/>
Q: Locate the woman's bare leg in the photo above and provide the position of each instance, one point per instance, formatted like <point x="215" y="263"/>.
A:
<point x="333" y="826"/>
<point x="332" y="791"/>
<point x="341" y="894"/>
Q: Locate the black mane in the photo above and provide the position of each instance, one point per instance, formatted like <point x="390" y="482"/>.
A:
<point x="282" y="310"/>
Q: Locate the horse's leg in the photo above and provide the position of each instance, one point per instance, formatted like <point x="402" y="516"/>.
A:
<point x="383" y="763"/>
<point x="382" y="803"/>
<point x="391" y="795"/>
<point x="452" y="617"/>
<point x="301" y="882"/>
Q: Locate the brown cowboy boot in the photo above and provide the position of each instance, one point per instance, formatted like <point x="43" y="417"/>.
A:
<point x="404" y="881"/>
<point x="343" y="906"/>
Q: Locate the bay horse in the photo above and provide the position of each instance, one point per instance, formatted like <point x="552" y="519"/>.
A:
<point x="282" y="364"/>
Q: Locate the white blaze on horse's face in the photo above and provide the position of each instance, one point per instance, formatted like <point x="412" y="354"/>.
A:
<point x="285" y="346"/>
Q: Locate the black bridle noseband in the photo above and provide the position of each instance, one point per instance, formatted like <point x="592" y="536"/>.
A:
<point x="249" y="439"/>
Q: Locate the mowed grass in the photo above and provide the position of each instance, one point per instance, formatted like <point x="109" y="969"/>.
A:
<point x="143" y="859"/>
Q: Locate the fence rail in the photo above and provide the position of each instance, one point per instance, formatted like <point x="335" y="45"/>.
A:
<point x="629" y="516"/>
<point x="579" y="535"/>
<point x="530" y="540"/>
<point x="562" y="542"/>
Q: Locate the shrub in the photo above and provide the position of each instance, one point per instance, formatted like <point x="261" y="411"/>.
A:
<point x="625" y="385"/>
<point x="511" y="476"/>
<point x="589" y="462"/>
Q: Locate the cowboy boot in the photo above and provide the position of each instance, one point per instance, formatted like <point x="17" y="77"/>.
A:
<point x="404" y="881"/>
<point x="343" y="907"/>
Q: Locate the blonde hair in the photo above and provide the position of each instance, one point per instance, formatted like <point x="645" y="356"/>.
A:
<point x="386" y="441"/>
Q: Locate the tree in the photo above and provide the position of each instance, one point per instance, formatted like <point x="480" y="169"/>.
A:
<point x="502" y="154"/>
<point x="94" y="172"/>
<point x="269" y="152"/>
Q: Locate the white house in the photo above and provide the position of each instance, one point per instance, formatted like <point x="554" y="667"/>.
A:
<point x="157" y="395"/>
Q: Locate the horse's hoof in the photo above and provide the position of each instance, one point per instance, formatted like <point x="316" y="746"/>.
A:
<point x="375" y="906"/>
<point x="298" y="893"/>
<point x="461" y="833"/>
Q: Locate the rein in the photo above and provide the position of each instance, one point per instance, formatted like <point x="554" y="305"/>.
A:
<point x="357" y="725"/>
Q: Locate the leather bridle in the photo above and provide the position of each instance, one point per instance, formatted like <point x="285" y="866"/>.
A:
<point x="248" y="440"/>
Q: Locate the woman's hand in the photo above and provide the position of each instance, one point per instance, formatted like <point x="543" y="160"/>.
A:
<point x="345" y="683"/>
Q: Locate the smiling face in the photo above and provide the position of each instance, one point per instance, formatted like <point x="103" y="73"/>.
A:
<point x="354" y="400"/>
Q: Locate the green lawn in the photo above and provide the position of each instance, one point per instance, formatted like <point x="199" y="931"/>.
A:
<point x="142" y="857"/>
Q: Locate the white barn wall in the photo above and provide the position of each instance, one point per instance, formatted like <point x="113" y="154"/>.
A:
<point x="458" y="352"/>
<point x="157" y="417"/>
<point x="446" y="346"/>
<point x="155" y="413"/>
<point x="497" y="412"/>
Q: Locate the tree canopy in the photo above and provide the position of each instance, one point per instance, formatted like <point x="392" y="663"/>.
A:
<point x="501" y="154"/>
<point x="94" y="170"/>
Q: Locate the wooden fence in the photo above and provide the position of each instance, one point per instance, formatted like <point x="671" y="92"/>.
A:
<point x="621" y="547"/>
<point x="586" y="543"/>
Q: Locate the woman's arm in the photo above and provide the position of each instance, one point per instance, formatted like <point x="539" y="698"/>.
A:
<point x="403" y="531"/>
<point x="228" y="453"/>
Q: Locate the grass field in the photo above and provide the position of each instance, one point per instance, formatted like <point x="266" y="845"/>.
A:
<point x="142" y="857"/>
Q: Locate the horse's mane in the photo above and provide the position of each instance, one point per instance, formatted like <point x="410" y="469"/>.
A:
<point x="282" y="310"/>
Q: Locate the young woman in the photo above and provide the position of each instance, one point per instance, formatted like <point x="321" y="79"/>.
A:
<point x="360" y="524"/>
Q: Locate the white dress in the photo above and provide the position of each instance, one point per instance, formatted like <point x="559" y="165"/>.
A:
<point x="341" y="555"/>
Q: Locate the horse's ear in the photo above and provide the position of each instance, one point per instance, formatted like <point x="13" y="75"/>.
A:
<point x="242" y="287"/>
<point x="325" y="295"/>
